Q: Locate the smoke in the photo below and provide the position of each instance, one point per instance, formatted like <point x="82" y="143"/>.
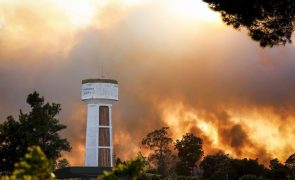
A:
<point x="193" y="76"/>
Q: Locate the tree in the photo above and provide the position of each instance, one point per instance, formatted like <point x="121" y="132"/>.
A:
<point x="270" y="22"/>
<point x="248" y="167"/>
<point x="36" y="128"/>
<point x="211" y="164"/>
<point x="225" y="170"/>
<point x="10" y="144"/>
<point x="290" y="163"/>
<point x="277" y="170"/>
<point x="189" y="152"/>
<point x="221" y="166"/>
<point x="159" y="142"/>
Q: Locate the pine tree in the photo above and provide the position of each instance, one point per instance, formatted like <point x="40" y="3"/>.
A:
<point x="39" y="127"/>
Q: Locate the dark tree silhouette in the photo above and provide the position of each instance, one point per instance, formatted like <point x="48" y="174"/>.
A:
<point x="189" y="152"/>
<point x="290" y="163"/>
<point x="38" y="127"/>
<point x="270" y="22"/>
<point x="277" y="170"/>
<point x="248" y="167"/>
<point x="159" y="142"/>
<point x="221" y="166"/>
<point x="217" y="167"/>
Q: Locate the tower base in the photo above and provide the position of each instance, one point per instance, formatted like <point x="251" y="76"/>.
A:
<point x="80" y="172"/>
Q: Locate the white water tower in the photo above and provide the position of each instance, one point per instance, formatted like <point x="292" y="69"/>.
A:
<point x="99" y="94"/>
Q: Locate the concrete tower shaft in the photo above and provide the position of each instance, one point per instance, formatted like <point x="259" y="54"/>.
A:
<point x="99" y="94"/>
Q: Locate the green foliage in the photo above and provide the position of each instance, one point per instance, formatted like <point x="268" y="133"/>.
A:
<point x="269" y="22"/>
<point x="36" y="128"/>
<point x="159" y="142"/>
<point x="132" y="169"/>
<point x="189" y="152"/>
<point x="33" y="166"/>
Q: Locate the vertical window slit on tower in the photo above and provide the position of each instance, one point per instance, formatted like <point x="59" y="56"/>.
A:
<point x="104" y="159"/>
<point x="104" y="115"/>
<point x="104" y="137"/>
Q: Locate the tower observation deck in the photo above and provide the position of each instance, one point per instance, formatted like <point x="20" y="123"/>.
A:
<point x="99" y="95"/>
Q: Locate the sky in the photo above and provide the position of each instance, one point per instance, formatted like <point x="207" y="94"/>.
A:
<point x="177" y="65"/>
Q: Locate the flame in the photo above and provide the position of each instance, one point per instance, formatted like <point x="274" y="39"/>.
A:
<point x="264" y="138"/>
<point x="209" y="130"/>
<point x="140" y="34"/>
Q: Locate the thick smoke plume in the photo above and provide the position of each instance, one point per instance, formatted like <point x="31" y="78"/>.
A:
<point x="194" y="76"/>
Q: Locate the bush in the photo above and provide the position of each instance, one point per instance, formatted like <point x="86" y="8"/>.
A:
<point x="133" y="169"/>
<point x="33" y="166"/>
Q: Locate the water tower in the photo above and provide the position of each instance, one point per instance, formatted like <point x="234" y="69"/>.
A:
<point x="99" y="95"/>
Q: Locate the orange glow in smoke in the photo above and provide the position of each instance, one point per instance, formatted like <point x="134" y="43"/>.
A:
<point x="142" y="33"/>
<point x="263" y="133"/>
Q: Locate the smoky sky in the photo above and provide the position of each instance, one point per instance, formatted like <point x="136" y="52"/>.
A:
<point x="170" y="72"/>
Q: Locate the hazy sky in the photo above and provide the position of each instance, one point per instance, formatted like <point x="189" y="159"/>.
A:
<point x="176" y="63"/>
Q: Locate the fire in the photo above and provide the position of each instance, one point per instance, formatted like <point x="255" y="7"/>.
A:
<point x="210" y="131"/>
<point x="182" y="121"/>
<point x="251" y="135"/>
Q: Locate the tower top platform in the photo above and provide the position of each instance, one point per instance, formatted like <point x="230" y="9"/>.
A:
<point x="99" y="89"/>
<point x="99" y="81"/>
